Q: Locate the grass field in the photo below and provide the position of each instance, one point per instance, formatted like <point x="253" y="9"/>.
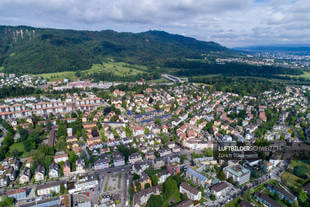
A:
<point x="292" y="180"/>
<point x="58" y="76"/>
<point x="305" y="75"/>
<point x="19" y="146"/>
<point x="117" y="68"/>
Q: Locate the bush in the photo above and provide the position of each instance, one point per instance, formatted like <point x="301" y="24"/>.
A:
<point x="300" y="171"/>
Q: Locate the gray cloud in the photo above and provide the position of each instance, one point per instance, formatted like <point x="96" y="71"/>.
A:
<point x="230" y="22"/>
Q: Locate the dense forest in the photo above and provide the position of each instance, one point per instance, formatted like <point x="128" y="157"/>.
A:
<point x="196" y="68"/>
<point x="33" y="50"/>
<point x="241" y="85"/>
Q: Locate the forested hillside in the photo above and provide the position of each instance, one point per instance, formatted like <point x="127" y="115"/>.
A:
<point x="34" y="50"/>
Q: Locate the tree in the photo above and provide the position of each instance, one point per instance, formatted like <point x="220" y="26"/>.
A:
<point x="221" y="175"/>
<point x="146" y="130"/>
<point x="155" y="201"/>
<point x="212" y="197"/>
<point x="302" y="196"/>
<point x="61" y="144"/>
<point x="128" y="131"/>
<point x="147" y="185"/>
<point x="5" y="201"/>
<point x="23" y="134"/>
<point x="154" y="179"/>
<point x="170" y="187"/>
<point x="138" y="186"/>
<point x="72" y="158"/>
<point x="62" y="130"/>
<point x="102" y="135"/>
<point x="158" y="121"/>
<point x="230" y="180"/>
<point x="300" y="171"/>
<point x="126" y="151"/>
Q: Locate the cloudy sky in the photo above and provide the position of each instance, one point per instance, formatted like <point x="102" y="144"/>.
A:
<point x="229" y="22"/>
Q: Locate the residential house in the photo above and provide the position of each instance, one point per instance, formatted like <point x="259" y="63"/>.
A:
<point x="164" y="152"/>
<point x="60" y="157"/>
<point x="141" y="198"/>
<point x="219" y="189"/>
<point x="150" y="155"/>
<point x="66" y="168"/>
<point x="174" y="168"/>
<point x="80" y="164"/>
<point x="39" y="173"/>
<point x="25" y="176"/>
<point x="118" y="161"/>
<point x="135" y="157"/>
<point x="4" y="180"/>
<point x="191" y="192"/>
<point x="162" y="176"/>
<point x="158" y="163"/>
<point x="102" y="164"/>
<point x="142" y="181"/>
<point x="53" y="170"/>
<point x="48" y="188"/>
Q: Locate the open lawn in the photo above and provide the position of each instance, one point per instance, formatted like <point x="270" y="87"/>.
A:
<point x="58" y="76"/>
<point x="295" y="163"/>
<point x="173" y="199"/>
<point x="305" y="75"/>
<point x="117" y="68"/>
<point x="291" y="180"/>
<point x="19" y="146"/>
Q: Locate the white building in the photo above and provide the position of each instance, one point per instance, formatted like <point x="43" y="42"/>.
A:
<point x="191" y="192"/>
<point x="46" y="189"/>
<point x="239" y="174"/>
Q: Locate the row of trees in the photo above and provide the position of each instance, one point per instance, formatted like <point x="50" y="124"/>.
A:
<point x="8" y="140"/>
<point x="13" y="91"/>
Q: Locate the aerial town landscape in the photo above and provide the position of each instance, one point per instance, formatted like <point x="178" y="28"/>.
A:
<point x="154" y="103"/>
<point x="151" y="143"/>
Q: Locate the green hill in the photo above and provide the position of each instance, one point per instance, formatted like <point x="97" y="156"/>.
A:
<point x="34" y="50"/>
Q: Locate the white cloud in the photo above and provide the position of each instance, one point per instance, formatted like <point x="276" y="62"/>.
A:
<point x="230" y="22"/>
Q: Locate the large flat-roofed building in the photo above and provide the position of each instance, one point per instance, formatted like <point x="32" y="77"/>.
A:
<point x="239" y="174"/>
<point x="282" y="193"/>
<point x="17" y="194"/>
<point x="55" y="201"/>
<point x="197" y="178"/>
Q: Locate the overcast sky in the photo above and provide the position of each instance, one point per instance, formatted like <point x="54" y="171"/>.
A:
<point x="229" y="22"/>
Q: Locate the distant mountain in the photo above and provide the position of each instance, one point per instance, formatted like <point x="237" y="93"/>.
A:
<point x="288" y="49"/>
<point x="26" y="49"/>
